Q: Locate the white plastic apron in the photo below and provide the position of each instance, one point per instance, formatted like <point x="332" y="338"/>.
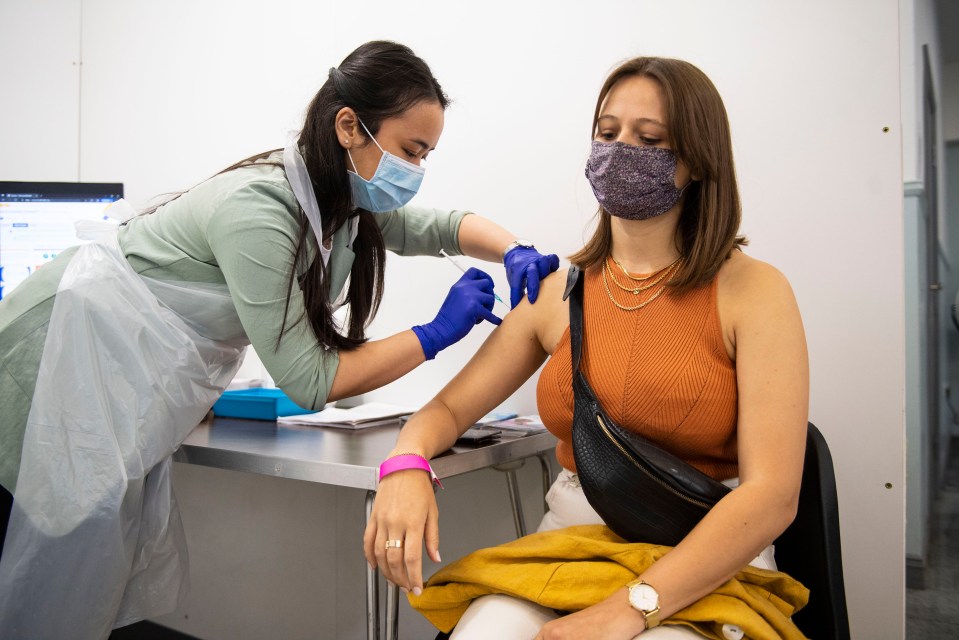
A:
<point x="95" y="539"/>
<point x="299" y="179"/>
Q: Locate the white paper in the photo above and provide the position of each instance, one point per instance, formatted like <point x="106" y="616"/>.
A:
<point x="364" y="415"/>
<point x="527" y="424"/>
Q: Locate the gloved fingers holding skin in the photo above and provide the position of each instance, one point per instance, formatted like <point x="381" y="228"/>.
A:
<point x="532" y="282"/>
<point x="525" y="268"/>
<point x="516" y="292"/>
<point x="486" y="313"/>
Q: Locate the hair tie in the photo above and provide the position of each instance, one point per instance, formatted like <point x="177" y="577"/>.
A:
<point x="338" y="78"/>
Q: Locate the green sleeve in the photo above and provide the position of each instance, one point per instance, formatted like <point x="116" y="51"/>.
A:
<point x="421" y="231"/>
<point x="253" y="238"/>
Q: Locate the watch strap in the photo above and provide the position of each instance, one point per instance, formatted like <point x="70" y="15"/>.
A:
<point x="652" y="618"/>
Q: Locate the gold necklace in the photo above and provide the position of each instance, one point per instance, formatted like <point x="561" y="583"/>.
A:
<point x="642" y="278"/>
<point x="664" y="272"/>
<point x="672" y="268"/>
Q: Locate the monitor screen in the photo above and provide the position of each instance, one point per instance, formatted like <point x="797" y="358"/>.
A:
<point x="37" y="222"/>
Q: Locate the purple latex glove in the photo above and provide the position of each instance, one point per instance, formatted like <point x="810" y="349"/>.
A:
<point x="469" y="302"/>
<point x="524" y="269"/>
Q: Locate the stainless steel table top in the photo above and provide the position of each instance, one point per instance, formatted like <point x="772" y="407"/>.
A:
<point x="342" y="457"/>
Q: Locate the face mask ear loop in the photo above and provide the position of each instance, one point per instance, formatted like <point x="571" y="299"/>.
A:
<point x="370" y="135"/>
<point x="374" y="142"/>
<point x="350" y="155"/>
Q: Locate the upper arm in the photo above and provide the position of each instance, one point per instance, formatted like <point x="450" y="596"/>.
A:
<point x="421" y="231"/>
<point x="772" y="372"/>
<point x="509" y="356"/>
<point x="253" y="238"/>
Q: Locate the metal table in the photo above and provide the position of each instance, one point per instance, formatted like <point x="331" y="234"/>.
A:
<point x="351" y="458"/>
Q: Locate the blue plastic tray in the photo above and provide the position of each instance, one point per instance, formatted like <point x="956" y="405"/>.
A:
<point x="258" y="404"/>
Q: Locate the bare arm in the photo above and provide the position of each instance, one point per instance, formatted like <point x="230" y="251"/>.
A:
<point x="379" y="362"/>
<point x="772" y="376"/>
<point x="376" y="364"/>
<point x="405" y="508"/>
<point x="483" y="239"/>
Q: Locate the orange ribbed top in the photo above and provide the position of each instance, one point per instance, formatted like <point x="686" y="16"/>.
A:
<point x="661" y="371"/>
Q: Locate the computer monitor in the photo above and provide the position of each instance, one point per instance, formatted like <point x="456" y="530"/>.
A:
<point x="37" y="222"/>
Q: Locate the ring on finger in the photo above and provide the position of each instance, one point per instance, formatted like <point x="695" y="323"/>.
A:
<point x="394" y="544"/>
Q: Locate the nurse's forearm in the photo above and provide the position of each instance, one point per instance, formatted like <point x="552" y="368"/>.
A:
<point x="483" y="239"/>
<point x="375" y="364"/>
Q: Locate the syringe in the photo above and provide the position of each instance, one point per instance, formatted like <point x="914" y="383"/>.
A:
<point x="460" y="267"/>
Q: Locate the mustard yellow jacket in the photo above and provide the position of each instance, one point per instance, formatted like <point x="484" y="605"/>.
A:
<point x="573" y="568"/>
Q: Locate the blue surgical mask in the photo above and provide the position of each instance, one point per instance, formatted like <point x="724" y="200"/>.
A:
<point x="394" y="183"/>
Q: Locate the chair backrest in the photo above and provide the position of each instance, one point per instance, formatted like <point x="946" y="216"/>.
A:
<point x="809" y="550"/>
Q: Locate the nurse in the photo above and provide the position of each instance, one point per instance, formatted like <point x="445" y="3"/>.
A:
<point x="113" y="352"/>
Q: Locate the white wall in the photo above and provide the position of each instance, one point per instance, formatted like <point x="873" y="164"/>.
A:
<point x="172" y="92"/>
<point x="39" y="111"/>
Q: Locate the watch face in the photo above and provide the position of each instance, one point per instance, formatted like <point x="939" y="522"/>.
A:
<point x="644" y="597"/>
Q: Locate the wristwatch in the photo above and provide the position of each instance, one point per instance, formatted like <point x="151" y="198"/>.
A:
<point x="518" y="242"/>
<point x="645" y="599"/>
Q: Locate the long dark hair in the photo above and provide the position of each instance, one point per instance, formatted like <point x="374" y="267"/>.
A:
<point x="708" y="229"/>
<point x="378" y="80"/>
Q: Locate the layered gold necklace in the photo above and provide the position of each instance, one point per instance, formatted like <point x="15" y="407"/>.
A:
<point x="639" y="284"/>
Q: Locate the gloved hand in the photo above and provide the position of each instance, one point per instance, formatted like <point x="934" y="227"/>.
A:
<point x="469" y="302"/>
<point x="524" y="269"/>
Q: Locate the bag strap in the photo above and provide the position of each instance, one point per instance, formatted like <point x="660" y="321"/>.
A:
<point x="574" y="292"/>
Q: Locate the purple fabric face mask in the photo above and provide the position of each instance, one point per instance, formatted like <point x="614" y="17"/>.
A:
<point x="635" y="183"/>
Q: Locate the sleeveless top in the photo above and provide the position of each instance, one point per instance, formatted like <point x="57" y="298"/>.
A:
<point x="661" y="371"/>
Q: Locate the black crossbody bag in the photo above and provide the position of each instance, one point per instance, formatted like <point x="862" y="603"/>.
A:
<point x="642" y="493"/>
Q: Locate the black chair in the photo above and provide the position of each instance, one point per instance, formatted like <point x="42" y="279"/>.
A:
<point x="809" y="549"/>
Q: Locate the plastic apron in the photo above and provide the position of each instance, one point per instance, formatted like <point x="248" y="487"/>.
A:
<point x="130" y="366"/>
<point x="299" y="179"/>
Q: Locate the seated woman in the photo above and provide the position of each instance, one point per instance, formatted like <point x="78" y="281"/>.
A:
<point x="691" y="343"/>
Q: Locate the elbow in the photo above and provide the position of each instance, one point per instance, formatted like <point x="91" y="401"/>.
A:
<point x="783" y="511"/>
<point x="307" y="396"/>
<point x="313" y="400"/>
<point x="789" y="512"/>
<point x="777" y="506"/>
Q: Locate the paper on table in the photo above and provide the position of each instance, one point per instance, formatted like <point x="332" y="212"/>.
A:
<point x="369" y="414"/>
<point x="526" y="424"/>
<point x="496" y="416"/>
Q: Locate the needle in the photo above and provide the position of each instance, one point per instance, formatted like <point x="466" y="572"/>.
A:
<point x="460" y="267"/>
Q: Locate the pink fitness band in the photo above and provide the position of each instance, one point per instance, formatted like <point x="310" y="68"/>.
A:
<point x="407" y="461"/>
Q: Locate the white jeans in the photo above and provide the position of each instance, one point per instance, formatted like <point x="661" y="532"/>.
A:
<point x="507" y="618"/>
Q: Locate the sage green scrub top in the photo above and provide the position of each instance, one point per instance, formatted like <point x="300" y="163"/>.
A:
<point x="238" y="228"/>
